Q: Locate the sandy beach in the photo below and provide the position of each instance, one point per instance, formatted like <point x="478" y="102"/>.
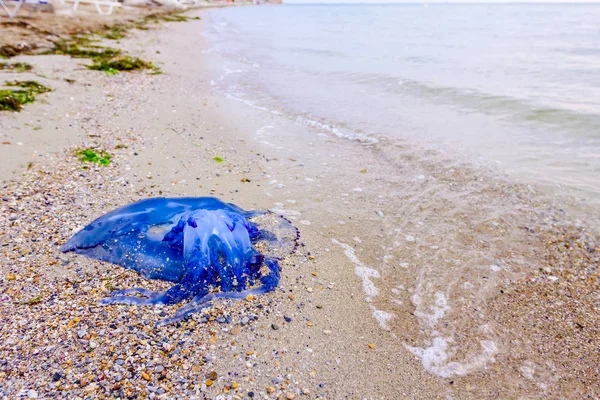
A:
<point x="528" y="326"/>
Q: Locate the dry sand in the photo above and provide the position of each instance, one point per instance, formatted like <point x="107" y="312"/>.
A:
<point x="314" y="337"/>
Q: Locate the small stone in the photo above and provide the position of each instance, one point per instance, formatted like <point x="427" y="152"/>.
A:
<point x="32" y="394"/>
<point x="221" y="320"/>
<point x="159" y="368"/>
<point x="235" y="330"/>
<point x="118" y="378"/>
<point x="274" y="326"/>
<point x="291" y="296"/>
<point x="270" y="389"/>
<point x="234" y="385"/>
<point x="56" y="377"/>
<point x="145" y="376"/>
<point x="250" y="394"/>
<point x="327" y="332"/>
<point x="371" y="345"/>
<point x="11" y="277"/>
<point x="212" y="375"/>
<point x="245" y="321"/>
<point x="309" y="289"/>
<point x="91" y="387"/>
<point x="289" y="396"/>
<point x="209" y="382"/>
<point x="287" y="319"/>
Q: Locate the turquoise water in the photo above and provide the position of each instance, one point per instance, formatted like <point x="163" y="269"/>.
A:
<point x="514" y="87"/>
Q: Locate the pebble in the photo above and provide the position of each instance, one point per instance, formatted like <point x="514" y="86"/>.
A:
<point x="56" y="377"/>
<point x="287" y="319"/>
<point x="212" y="375"/>
<point x="289" y="396"/>
<point x="159" y="368"/>
<point x="244" y="321"/>
<point x="275" y="327"/>
<point x="32" y="394"/>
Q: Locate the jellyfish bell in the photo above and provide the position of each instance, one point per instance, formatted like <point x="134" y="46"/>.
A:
<point x="200" y="244"/>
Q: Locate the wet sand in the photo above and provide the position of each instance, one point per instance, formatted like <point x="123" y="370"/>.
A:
<point x="338" y="325"/>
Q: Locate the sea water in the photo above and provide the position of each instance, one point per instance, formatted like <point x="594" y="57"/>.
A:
<point x="513" y="85"/>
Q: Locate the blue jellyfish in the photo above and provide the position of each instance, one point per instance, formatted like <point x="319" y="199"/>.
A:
<point x="208" y="248"/>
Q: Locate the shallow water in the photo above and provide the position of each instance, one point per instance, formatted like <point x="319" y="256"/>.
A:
<point x="454" y="107"/>
<point x="514" y="86"/>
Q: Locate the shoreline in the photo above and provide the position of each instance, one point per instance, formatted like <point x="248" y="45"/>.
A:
<point x="163" y="146"/>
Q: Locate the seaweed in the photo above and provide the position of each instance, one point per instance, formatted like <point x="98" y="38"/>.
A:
<point x="177" y="18"/>
<point x="125" y="63"/>
<point x="218" y="159"/>
<point x="13" y="100"/>
<point x="90" y="155"/>
<point x="82" y="48"/>
<point x="31" y="86"/>
<point x="18" y="67"/>
<point x="33" y="301"/>
<point x="115" y="32"/>
<point x="106" y="59"/>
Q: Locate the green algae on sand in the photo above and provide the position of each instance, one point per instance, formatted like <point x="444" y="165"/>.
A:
<point x="94" y="156"/>
<point x="16" y="67"/>
<point x="13" y="100"/>
<point x="125" y="63"/>
<point x="31" y="86"/>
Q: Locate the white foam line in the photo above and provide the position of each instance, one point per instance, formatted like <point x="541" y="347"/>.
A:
<point x="251" y="104"/>
<point x="436" y="357"/>
<point x="366" y="273"/>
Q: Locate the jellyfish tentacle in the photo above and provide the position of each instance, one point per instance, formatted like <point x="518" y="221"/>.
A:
<point x="203" y="300"/>
<point x="174" y="295"/>
<point x="144" y="292"/>
<point x="192" y="307"/>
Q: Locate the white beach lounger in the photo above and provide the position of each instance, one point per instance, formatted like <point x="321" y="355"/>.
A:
<point x="15" y="8"/>
<point x="12" y="12"/>
<point x="110" y="5"/>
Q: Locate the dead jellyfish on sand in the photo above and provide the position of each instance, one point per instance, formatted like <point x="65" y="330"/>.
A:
<point x="208" y="248"/>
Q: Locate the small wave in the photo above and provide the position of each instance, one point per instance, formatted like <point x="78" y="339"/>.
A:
<point x="251" y="104"/>
<point x="337" y="131"/>
<point x="568" y="117"/>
